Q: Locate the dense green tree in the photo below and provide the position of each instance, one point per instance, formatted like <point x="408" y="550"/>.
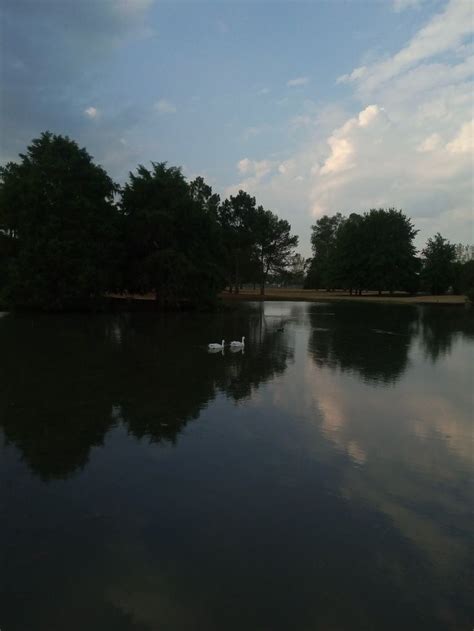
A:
<point x="391" y="261"/>
<point x="351" y="254"/>
<point x="323" y="243"/>
<point x="58" y="226"/>
<point x="438" y="259"/>
<point x="370" y="251"/>
<point x="273" y="243"/>
<point x="237" y="219"/>
<point x="172" y="237"/>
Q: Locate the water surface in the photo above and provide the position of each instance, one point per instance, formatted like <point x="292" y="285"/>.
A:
<point x="322" y="479"/>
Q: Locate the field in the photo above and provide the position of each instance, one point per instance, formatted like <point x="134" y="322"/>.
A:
<point x="317" y="295"/>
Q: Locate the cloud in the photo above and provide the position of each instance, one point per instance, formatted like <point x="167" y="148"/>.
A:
<point x="91" y="112"/>
<point x="42" y="89"/>
<point x="164" y="107"/>
<point x="298" y="81"/>
<point x="430" y="143"/>
<point x="464" y="140"/>
<point x="408" y="145"/>
<point x="444" y="32"/>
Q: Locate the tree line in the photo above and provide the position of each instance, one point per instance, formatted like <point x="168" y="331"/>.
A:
<point x="375" y="251"/>
<point x="69" y="234"/>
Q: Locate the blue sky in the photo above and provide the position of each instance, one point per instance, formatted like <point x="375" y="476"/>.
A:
<point x="314" y="107"/>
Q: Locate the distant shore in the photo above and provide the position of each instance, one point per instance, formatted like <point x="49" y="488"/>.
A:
<point x="312" y="295"/>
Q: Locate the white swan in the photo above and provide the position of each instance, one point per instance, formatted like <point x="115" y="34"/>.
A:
<point x="238" y="344"/>
<point x="216" y="347"/>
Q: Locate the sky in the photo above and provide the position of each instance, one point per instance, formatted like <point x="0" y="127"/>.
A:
<point x="313" y="107"/>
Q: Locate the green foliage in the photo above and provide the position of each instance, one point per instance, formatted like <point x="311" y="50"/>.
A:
<point x="273" y="243"/>
<point x="370" y="251"/>
<point x="323" y="242"/>
<point x="389" y="238"/>
<point x="171" y="236"/>
<point x="57" y="225"/>
<point x="438" y="272"/>
<point x="236" y="216"/>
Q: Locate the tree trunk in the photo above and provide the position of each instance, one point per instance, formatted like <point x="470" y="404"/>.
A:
<point x="237" y="279"/>
<point x="380" y="292"/>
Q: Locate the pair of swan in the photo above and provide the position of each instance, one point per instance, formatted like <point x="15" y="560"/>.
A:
<point x="234" y="344"/>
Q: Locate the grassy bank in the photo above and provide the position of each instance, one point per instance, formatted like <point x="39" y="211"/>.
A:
<point x="313" y="295"/>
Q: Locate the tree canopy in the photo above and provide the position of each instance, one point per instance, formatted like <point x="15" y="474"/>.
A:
<point x="438" y="265"/>
<point x="57" y="224"/>
<point x="69" y="235"/>
<point x="370" y="251"/>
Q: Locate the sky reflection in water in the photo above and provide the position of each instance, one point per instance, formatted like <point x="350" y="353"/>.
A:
<point x="320" y="480"/>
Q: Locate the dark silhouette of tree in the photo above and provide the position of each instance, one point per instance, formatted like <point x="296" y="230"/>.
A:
<point x="236" y="216"/>
<point x="58" y="226"/>
<point x="438" y="264"/>
<point x="391" y="261"/>
<point x="351" y="255"/>
<point x="172" y="237"/>
<point x="440" y="327"/>
<point x="370" y="340"/>
<point x="274" y="244"/>
<point x="370" y="251"/>
<point x="69" y="381"/>
<point x="322" y="272"/>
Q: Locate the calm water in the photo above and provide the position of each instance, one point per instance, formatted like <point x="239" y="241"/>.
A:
<point x="320" y="480"/>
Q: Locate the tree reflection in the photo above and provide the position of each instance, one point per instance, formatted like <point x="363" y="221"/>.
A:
<point x="441" y="326"/>
<point x="70" y="379"/>
<point x="371" y="340"/>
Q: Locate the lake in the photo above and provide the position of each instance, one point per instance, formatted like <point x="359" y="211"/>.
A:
<point x="321" y="479"/>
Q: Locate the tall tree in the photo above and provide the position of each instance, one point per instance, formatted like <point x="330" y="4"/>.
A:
<point x="172" y="237"/>
<point x="438" y="259"/>
<point x="351" y="254"/>
<point x="389" y="236"/>
<point x="236" y="216"/>
<point x="58" y="225"/>
<point x="273" y="243"/>
<point x="323" y="243"/>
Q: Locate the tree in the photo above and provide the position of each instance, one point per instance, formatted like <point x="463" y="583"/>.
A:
<point x="172" y="237"/>
<point x="273" y="243"/>
<point x="236" y="215"/>
<point x="58" y="226"/>
<point x="323" y="242"/>
<point x="351" y="254"/>
<point x="298" y="266"/>
<point x="438" y="272"/>
<point x="391" y="261"/>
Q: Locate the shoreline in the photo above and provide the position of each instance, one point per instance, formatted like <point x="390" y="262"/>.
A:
<point x="312" y="295"/>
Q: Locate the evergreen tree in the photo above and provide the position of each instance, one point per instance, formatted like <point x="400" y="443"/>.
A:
<point x="438" y="259"/>
<point x="58" y="226"/>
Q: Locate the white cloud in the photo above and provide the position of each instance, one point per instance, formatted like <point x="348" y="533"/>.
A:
<point x="164" y="107"/>
<point x="442" y="33"/>
<point x="91" y="112"/>
<point x="464" y="141"/>
<point x="298" y="81"/>
<point x="263" y="91"/>
<point x="430" y="143"/>
<point x="409" y="145"/>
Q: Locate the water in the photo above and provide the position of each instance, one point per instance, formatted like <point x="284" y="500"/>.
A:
<point x="320" y="480"/>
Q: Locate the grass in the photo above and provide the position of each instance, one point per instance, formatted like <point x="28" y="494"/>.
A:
<point x="313" y="295"/>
